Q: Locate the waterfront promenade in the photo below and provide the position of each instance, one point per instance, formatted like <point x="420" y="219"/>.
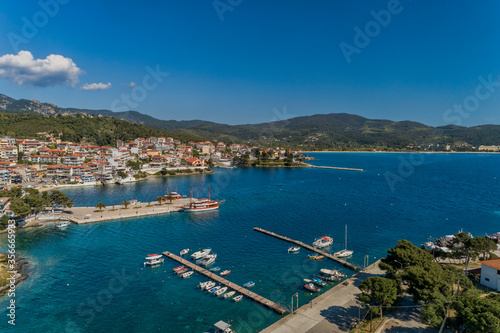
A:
<point x="334" y="311"/>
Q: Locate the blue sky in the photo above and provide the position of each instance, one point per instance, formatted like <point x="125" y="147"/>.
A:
<point x="263" y="56"/>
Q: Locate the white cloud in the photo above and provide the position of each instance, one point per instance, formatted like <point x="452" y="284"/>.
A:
<point x="132" y="84"/>
<point x="54" y="70"/>
<point x="96" y="86"/>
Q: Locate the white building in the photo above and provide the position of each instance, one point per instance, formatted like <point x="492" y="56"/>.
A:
<point x="490" y="273"/>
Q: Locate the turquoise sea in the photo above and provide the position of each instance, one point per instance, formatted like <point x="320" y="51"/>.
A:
<point x="90" y="278"/>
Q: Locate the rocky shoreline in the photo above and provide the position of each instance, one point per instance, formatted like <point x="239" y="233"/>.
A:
<point x="19" y="274"/>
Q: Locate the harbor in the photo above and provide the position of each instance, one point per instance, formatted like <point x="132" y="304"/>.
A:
<point x="310" y="248"/>
<point x="243" y="291"/>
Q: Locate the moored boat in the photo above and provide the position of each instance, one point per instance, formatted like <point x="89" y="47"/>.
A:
<point x="319" y="258"/>
<point x="311" y="287"/>
<point x="312" y="256"/>
<point x="181" y="271"/>
<point x="62" y="224"/>
<point x="202" y="285"/>
<point x="187" y="274"/>
<point x="323" y="242"/>
<point x="220" y="291"/>
<point x="238" y="298"/>
<point x="209" y="285"/>
<point x="319" y="282"/>
<point x="214" y="289"/>
<point x="215" y="269"/>
<point x="249" y="284"/>
<point x="229" y="294"/>
<point x="345" y="252"/>
<point x="184" y="252"/>
<point x="201" y="205"/>
<point x="208" y="260"/>
<point x="293" y="249"/>
<point x="200" y="254"/>
<point x="178" y="268"/>
<point x="226" y="272"/>
<point x="154" y="259"/>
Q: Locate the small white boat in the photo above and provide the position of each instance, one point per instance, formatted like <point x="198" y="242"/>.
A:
<point x="294" y="249"/>
<point x="184" y="252"/>
<point x="214" y="289"/>
<point x="229" y="294"/>
<point x="209" y="285"/>
<point x="187" y="274"/>
<point x="226" y="272"/>
<point x="200" y="254"/>
<point x="209" y="259"/>
<point x="202" y="285"/>
<point x="345" y="252"/>
<point x="62" y="224"/>
<point x="238" y="298"/>
<point x="220" y="291"/>
<point x="154" y="259"/>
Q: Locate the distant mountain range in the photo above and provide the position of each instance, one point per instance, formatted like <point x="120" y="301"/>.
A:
<point x="335" y="130"/>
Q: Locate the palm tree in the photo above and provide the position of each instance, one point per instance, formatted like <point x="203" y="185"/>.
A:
<point x="126" y="203"/>
<point x="171" y="198"/>
<point x="160" y="199"/>
<point x="100" y="206"/>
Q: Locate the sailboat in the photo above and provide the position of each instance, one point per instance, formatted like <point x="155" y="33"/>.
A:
<point x="345" y="252"/>
<point x="201" y="205"/>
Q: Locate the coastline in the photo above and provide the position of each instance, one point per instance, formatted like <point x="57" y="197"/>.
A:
<point x="405" y="152"/>
<point x="19" y="274"/>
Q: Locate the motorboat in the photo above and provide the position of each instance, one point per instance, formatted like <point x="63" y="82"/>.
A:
<point x="319" y="282"/>
<point x="187" y="274"/>
<point x="215" y="269"/>
<point x="178" y="268"/>
<point x="214" y="289"/>
<point x="345" y="252"/>
<point x="208" y="259"/>
<point x="319" y="258"/>
<point x="154" y="259"/>
<point x="200" y="254"/>
<point x="209" y="285"/>
<point x="220" y="291"/>
<point x="202" y="285"/>
<point x="238" y="298"/>
<point x="312" y="256"/>
<point x="229" y="294"/>
<point x="311" y="287"/>
<point x="249" y="284"/>
<point x="181" y="271"/>
<point x="184" y="252"/>
<point x="294" y="249"/>
<point x="323" y="242"/>
<point x="226" y="272"/>
<point x="62" y="224"/>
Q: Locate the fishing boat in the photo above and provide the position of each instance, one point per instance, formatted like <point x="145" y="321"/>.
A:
<point x="214" y="289"/>
<point x="184" y="252"/>
<point x="215" y="269"/>
<point x="319" y="282"/>
<point x="181" y="271"/>
<point x="238" y="298"/>
<point x="200" y="254"/>
<point x="154" y="259"/>
<point x="62" y="224"/>
<point x="172" y="195"/>
<point x="319" y="258"/>
<point x="201" y="205"/>
<point x="249" y="284"/>
<point x="220" y="291"/>
<point x="226" y="272"/>
<point x="312" y="256"/>
<point x="311" y="287"/>
<point x="202" y="285"/>
<point x="178" y="268"/>
<point x="208" y="260"/>
<point x="229" y="294"/>
<point x="345" y="252"/>
<point x="323" y="242"/>
<point x="294" y="249"/>
<point x="208" y="286"/>
<point x="187" y="274"/>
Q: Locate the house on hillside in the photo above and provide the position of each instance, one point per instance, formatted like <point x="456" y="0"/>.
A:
<point x="490" y="273"/>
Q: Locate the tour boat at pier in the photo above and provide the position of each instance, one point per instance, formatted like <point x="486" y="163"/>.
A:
<point x="184" y="252"/>
<point x="311" y="287"/>
<point x="323" y="242"/>
<point x="294" y="249"/>
<point x="226" y="272"/>
<point x="154" y="259"/>
<point x="208" y="259"/>
<point x="200" y="254"/>
<point x="173" y="195"/>
<point x="201" y="205"/>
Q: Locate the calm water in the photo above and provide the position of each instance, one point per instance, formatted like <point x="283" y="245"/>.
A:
<point x="90" y="278"/>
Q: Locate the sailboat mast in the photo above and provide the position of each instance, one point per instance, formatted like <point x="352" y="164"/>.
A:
<point x="208" y="192"/>
<point x="346" y="236"/>
<point x="191" y="196"/>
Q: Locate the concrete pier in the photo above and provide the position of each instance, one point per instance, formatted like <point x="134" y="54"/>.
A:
<point x="217" y="278"/>
<point x="310" y="248"/>
<point x="331" y="167"/>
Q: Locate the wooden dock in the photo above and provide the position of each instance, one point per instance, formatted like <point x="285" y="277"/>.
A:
<point x="217" y="278"/>
<point x="310" y="248"/>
